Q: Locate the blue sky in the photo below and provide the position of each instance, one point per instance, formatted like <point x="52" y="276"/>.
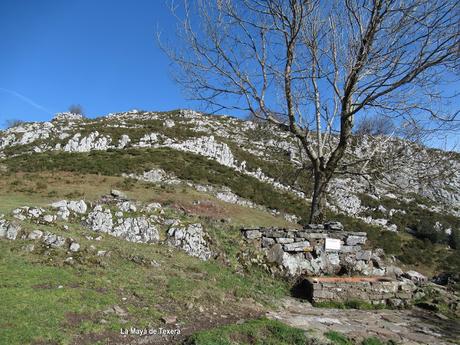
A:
<point x="101" y="54"/>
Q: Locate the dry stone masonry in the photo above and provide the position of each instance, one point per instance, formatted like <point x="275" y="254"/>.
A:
<point x="380" y="290"/>
<point x="317" y="249"/>
<point x="320" y="250"/>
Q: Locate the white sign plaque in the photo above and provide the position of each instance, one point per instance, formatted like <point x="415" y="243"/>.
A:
<point x="332" y="244"/>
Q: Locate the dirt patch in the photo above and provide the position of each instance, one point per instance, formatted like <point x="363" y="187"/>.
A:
<point x="111" y="338"/>
<point x="44" y="286"/>
<point x="44" y="342"/>
<point x="203" y="208"/>
<point x="73" y="320"/>
<point x="195" y="322"/>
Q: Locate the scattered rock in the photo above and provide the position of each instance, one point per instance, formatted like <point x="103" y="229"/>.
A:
<point x="127" y="206"/>
<point x="35" y="235"/>
<point x="74" y="247"/>
<point x="53" y="240"/>
<point x="416" y="277"/>
<point x="334" y="226"/>
<point x="119" y="311"/>
<point x="118" y="194"/>
<point x="136" y="230"/>
<point x="100" y="220"/>
<point x="252" y="234"/>
<point x="191" y="239"/>
<point x="48" y="218"/>
<point x="69" y="260"/>
<point x="8" y="230"/>
<point x="169" y="319"/>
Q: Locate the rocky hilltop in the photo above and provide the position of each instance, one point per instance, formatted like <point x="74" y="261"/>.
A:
<point x="398" y="173"/>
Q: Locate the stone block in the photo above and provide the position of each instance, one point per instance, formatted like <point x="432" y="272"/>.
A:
<point x="350" y="249"/>
<point x="364" y="255"/>
<point x="275" y="254"/>
<point x="314" y="226"/>
<point x="275" y="233"/>
<point x="334" y="226"/>
<point x="315" y="235"/>
<point x="267" y="242"/>
<point x="284" y="240"/>
<point x="252" y="234"/>
<point x="354" y="240"/>
<point x="297" y="246"/>
<point x="403" y="295"/>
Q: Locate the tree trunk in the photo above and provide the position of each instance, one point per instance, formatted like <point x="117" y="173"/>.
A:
<point x="318" y="202"/>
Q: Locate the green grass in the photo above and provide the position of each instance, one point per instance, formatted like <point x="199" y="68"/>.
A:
<point x="261" y="331"/>
<point x="340" y="339"/>
<point x="33" y="308"/>
<point x="184" y="165"/>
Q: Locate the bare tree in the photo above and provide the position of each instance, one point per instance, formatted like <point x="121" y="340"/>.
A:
<point x="320" y="65"/>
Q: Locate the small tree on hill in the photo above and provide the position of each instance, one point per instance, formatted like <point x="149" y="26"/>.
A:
<point x="76" y="109"/>
<point x="375" y="126"/>
<point x="13" y="123"/>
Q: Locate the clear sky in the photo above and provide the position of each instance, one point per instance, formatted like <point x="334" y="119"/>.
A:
<point x="102" y="54"/>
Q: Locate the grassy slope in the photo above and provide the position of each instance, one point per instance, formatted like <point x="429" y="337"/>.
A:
<point x="95" y="283"/>
<point x="33" y="308"/>
<point x="420" y="254"/>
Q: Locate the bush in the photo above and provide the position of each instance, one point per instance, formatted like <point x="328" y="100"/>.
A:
<point x="376" y="125"/>
<point x="76" y="109"/>
<point x="13" y="123"/>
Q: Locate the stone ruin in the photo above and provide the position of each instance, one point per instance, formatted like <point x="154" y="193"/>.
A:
<point x="320" y="250"/>
<point x="375" y="290"/>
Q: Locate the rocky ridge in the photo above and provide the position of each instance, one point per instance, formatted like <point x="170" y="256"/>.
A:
<point x="214" y="136"/>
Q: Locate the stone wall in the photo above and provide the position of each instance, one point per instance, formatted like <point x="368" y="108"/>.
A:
<point x="372" y="290"/>
<point x="318" y="249"/>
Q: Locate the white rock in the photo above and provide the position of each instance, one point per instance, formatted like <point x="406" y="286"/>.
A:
<point x="74" y="247"/>
<point x="191" y="240"/>
<point x="35" y="235"/>
<point x="169" y="123"/>
<point x="99" y="220"/>
<point x="127" y="206"/>
<point x="118" y="194"/>
<point x="53" y="240"/>
<point x="124" y="140"/>
<point x="415" y="276"/>
<point x="136" y="230"/>
<point x="77" y="206"/>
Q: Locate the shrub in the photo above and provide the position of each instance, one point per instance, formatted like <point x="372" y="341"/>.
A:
<point x="13" y="123"/>
<point x="76" y="109"/>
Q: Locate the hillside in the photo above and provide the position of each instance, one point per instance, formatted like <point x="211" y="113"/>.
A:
<point x="133" y="220"/>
